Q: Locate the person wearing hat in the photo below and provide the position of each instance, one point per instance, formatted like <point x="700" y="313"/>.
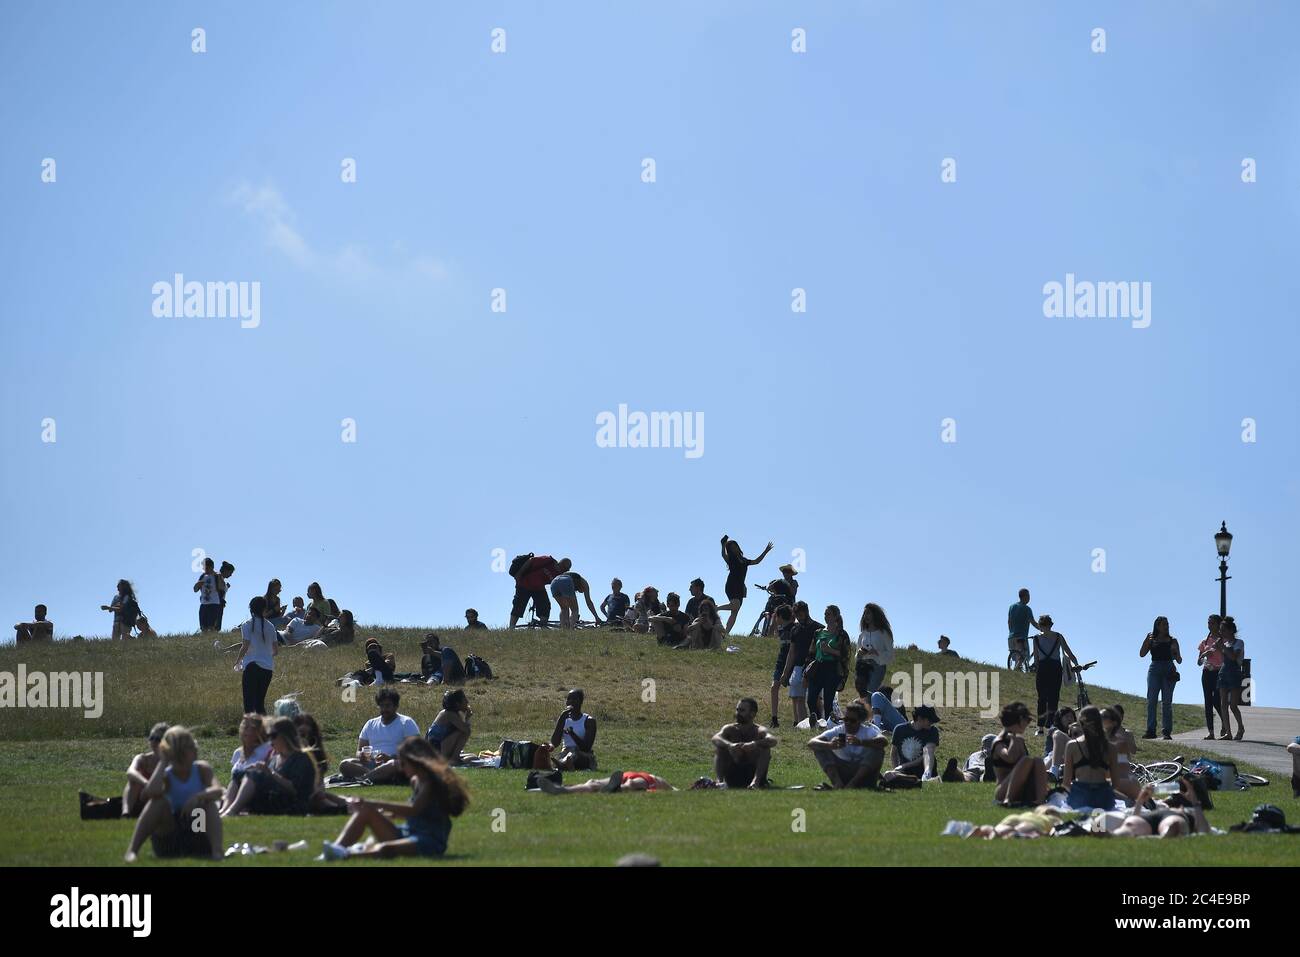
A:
<point x="978" y="767"/>
<point x="780" y="591"/>
<point x="915" y="742"/>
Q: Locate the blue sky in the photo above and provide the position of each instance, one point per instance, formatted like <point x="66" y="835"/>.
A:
<point x="774" y="170"/>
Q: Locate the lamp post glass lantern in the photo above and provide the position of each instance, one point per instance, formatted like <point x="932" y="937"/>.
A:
<point x="1223" y="545"/>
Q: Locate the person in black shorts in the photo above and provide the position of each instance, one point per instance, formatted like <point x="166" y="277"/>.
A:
<point x="784" y="619"/>
<point x="737" y="567"/>
<point x="742" y="751"/>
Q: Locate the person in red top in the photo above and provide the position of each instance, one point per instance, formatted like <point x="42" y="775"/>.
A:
<point x="531" y="581"/>
<point x="1210" y="657"/>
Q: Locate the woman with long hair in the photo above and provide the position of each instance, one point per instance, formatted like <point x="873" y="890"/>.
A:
<point x="1062" y="726"/>
<point x="125" y="610"/>
<point x="253" y="750"/>
<point x="316" y="597"/>
<point x="257" y="656"/>
<point x="437" y="795"/>
<point x="706" y="630"/>
<point x="451" y="726"/>
<point x="322" y="801"/>
<point x="1161" y="675"/>
<point x="1230" y="676"/>
<point x="1091" y="764"/>
<point x="875" y="650"/>
<point x="286" y="782"/>
<point x="737" y="567"/>
<point x="275" y="610"/>
<point x="1209" y="655"/>
<point x="830" y="652"/>
<point x="182" y="794"/>
<point x="1112" y="721"/>
<point x="1021" y="777"/>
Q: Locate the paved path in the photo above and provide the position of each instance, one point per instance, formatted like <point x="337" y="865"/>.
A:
<point x="1268" y="732"/>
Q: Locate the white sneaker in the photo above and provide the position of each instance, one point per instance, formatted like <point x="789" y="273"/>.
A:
<point x="333" y="852"/>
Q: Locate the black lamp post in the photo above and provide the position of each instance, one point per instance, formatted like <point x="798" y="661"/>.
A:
<point x="1223" y="543"/>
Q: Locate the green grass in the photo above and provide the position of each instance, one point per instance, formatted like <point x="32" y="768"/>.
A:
<point x="47" y="755"/>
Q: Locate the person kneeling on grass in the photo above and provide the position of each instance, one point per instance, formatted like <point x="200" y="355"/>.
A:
<point x="618" y="781"/>
<point x="914" y="744"/>
<point x="574" y="736"/>
<point x="181" y="817"/>
<point x="851" y="753"/>
<point x="742" y="750"/>
<point x="1021" y="777"/>
<point x="286" y="783"/>
<point x="375" y="762"/>
<point x="451" y="728"/>
<point x="437" y="795"/>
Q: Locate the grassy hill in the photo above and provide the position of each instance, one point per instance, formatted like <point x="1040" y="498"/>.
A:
<point x="46" y="755"/>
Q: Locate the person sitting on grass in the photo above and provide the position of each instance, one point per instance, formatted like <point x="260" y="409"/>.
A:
<point x="437" y="795"/>
<point x="1112" y="720"/>
<point x="618" y="781"/>
<point x="616" y="603"/>
<point x="1091" y="765"/>
<point x="647" y="606"/>
<point x="376" y="758"/>
<point x="1182" y="814"/>
<point x="143" y="629"/>
<point x="914" y="744"/>
<point x="851" y="754"/>
<point x="300" y="629"/>
<point x="382" y="666"/>
<point x="1021" y="777"/>
<point x="137" y="779"/>
<point x="181" y="817"/>
<point x="977" y="768"/>
<point x="471" y="621"/>
<point x="706" y="631"/>
<point x="697" y="595"/>
<point x="742" y="750"/>
<point x="670" y="625"/>
<point x="450" y="730"/>
<point x="574" y="736"/>
<point x="431" y="659"/>
<point x="944" y="642"/>
<point x="1062" y="725"/>
<point x="286" y="783"/>
<point x="38" y="629"/>
<point x="340" y="631"/>
<point x="254" y="750"/>
<point x="322" y="801"/>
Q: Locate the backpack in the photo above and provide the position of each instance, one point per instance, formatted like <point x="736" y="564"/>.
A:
<point x="517" y="754"/>
<point x="518" y="562"/>
<point x="453" y="672"/>
<point x="476" y="667"/>
<point x="130" y="611"/>
<point x="1211" y="771"/>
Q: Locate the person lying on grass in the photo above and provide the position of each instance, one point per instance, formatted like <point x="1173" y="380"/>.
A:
<point x="437" y="795"/>
<point x="253" y="751"/>
<point x="451" y="728"/>
<point x="375" y="761"/>
<point x="1021" y="777"/>
<point x="1034" y="823"/>
<point x="851" y="754"/>
<point x="285" y="783"/>
<point x="618" y="781"/>
<point x="574" y="736"/>
<point x="1182" y="814"/>
<point x="978" y="767"/>
<point x="181" y="817"/>
<point x="742" y="750"/>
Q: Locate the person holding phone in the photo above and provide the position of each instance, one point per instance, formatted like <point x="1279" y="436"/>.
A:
<point x="1162" y="674"/>
<point x="1231" y="677"/>
<point x="1209" y="655"/>
<point x="850" y="754"/>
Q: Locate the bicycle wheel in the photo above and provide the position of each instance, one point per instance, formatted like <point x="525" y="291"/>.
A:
<point x="1254" y="780"/>
<point x="1013" y="661"/>
<point x="1157" y="772"/>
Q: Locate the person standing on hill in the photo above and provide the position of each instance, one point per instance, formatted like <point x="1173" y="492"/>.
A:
<point x="1048" y="648"/>
<point x="211" y="591"/>
<point x="1230" y="676"/>
<point x="1019" y="617"/>
<point x="1161" y="675"/>
<point x="1210" y="658"/>
<point x="125" y="610"/>
<point x="737" y="568"/>
<point x="531" y="580"/>
<point x="257" y="656"/>
<point x="875" y="650"/>
<point x="226" y="571"/>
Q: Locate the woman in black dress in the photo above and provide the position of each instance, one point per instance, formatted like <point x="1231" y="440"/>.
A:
<point x="737" y="566"/>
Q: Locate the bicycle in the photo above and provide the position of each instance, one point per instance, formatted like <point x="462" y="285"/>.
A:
<point x="1158" y="772"/>
<point x="764" y="623"/>
<point x="1018" y="659"/>
<point x="1078" y="671"/>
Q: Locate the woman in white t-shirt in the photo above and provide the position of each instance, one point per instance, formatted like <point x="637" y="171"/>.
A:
<point x="211" y="588"/>
<point x="875" y="650"/>
<point x="253" y="750"/>
<point x="257" y="656"/>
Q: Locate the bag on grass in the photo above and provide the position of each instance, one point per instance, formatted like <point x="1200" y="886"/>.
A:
<point x="531" y="783"/>
<point x="1211" y="771"/>
<point x="476" y="667"/>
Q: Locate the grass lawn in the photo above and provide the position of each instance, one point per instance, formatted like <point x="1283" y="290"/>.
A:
<point x="47" y="755"/>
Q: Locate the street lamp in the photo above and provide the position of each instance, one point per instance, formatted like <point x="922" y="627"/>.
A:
<point x="1223" y="544"/>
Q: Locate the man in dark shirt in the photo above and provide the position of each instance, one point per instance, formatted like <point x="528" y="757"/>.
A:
<point x="784" y="619"/>
<point x="471" y="620"/>
<point x="914" y="744"/>
<point x="802" y="634"/>
<point x="670" y="625"/>
<point x="530" y="582"/>
<point x="697" y="596"/>
<point x="944" y="642"/>
<point x="742" y="751"/>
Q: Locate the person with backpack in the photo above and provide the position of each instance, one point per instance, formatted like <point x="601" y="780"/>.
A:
<point x="451" y="728"/>
<point x="211" y="590"/>
<point x="257" y="654"/>
<point x="437" y="795"/>
<point x="574" y="736"/>
<point x="375" y="761"/>
<point x="125" y="610"/>
<point x="532" y="573"/>
<point x="1049" y="646"/>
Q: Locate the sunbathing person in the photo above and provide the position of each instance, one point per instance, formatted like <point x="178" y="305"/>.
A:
<point x="254" y="750"/>
<point x="340" y="631"/>
<point x="1035" y="823"/>
<point x="574" y="736"/>
<point x="1182" y="814"/>
<point x="450" y="730"/>
<point x="143" y="630"/>
<point x="181" y="817"/>
<point x="285" y="783"/>
<point x="1091" y="765"/>
<point x="618" y="781"/>
<point x="978" y="767"/>
<point x="1021" y="777"/>
<point x="376" y="758"/>
<point x="137" y="779"/>
<point x="300" y="629"/>
<point x="851" y="754"/>
<point x="38" y="629"/>
<point x="742" y="750"/>
<point x="1112" y="721"/>
<point x="437" y="795"/>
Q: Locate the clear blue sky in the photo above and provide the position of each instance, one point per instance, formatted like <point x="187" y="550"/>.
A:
<point x="476" y="430"/>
